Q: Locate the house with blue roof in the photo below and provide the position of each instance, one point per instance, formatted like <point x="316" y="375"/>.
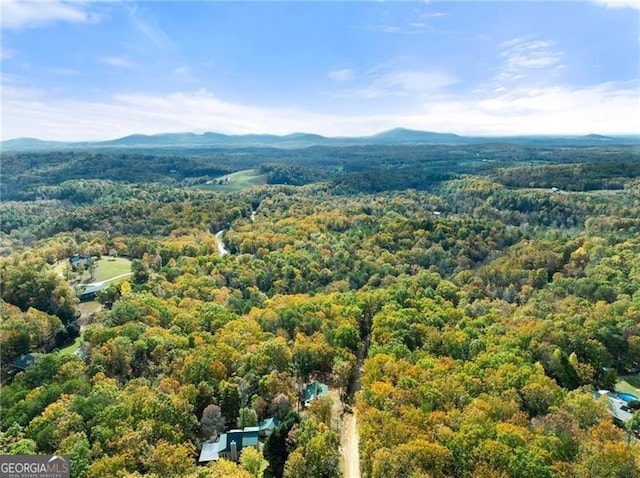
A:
<point x="229" y="445"/>
<point x="77" y="261"/>
<point x="314" y="390"/>
<point x="25" y="361"/>
<point x="89" y="292"/>
<point x="267" y="426"/>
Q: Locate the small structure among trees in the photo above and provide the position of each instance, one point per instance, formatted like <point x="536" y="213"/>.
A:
<point x="230" y="444"/>
<point x="314" y="390"/>
<point x="77" y="261"/>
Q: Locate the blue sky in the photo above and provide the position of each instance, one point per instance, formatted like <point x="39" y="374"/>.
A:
<point x="86" y="70"/>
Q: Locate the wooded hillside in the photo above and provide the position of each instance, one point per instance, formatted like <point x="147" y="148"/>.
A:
<point x="489" y="308"/>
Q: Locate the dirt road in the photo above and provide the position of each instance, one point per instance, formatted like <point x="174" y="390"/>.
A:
<point x="350" y="444"/>
<point x="350" y="440"/>
<point x="222" y="250"/>
<point x="103" y="282"/>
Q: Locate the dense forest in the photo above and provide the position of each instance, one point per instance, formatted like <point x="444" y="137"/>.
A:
<point x="465" y="302"/>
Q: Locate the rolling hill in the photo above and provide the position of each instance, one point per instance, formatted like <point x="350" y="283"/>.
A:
<point x="398" y="136"/>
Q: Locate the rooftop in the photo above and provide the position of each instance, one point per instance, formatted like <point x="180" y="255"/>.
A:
<point x="617" y="407"/>
<point x="209" y="452"/>
<point x="268" y="424"/>
<point x="315" y="390"/>
<point x="242" y="438"/>
<point x="25" y="361"/>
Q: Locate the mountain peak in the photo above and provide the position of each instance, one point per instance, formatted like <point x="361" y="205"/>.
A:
<point x="412" y="136"/>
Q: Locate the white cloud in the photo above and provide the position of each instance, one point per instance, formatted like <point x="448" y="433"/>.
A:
<point x="343" y="75"/>
<point x="607" y="108"/>
<point x="18" y="14"/>
<point x="118" y="61"/>
<point x="521" y="56"/>
<point x="619" y="3"/>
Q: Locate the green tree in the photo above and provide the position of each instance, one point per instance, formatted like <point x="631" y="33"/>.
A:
<point x="253" y="461"/>
<point x="91" y="267"/>
<point x="247" y="417"/>
<point x="322" y="455"/>
<point x="347" y="336"/>
<point x="140" y="271"/>
<point x="169" y="459"/>
<point x="229" y="401"/>
<point x="227" y="469"/>
<point x="276" y="450"/>
<point x="320" y="409"/>
<point x="296" y="465"/>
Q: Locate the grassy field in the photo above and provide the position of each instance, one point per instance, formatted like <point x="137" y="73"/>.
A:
<point x="629" y="384"/>
<point x="109" y="267"/>
<point x="69" y="349"/>
<point x="245" y="179"/>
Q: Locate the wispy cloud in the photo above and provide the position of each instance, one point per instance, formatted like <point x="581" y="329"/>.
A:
<point x="522" y="56"/>
<point x="149" y="28"/>
<point x="119" y="62"/>
<point x="61" y="71"/>
<point x="6" y="53"/>
<point x="341" y="76"/>
<point x="181" y="71"/>
<point x="411" y="82"/>
<point x="619" y="3"/>
<point x="388" y="82"/>
<point x="17" y="14"/>
<point x="411" y="28"/>
<point x="420" y="21"/>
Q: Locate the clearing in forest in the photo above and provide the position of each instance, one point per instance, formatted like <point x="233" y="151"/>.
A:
<point x="107" y="268"/>
<point x="237" y="181"/>
<point x="111" y="267"/>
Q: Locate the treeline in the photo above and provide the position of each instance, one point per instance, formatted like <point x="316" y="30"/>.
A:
<point x="119" y="209"/>
<point x="24" y="172"/>
<point x="571" y="177"/>
<point x="384" y="167"/>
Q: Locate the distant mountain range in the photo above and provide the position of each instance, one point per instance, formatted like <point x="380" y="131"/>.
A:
<point x="399" y="136"/>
